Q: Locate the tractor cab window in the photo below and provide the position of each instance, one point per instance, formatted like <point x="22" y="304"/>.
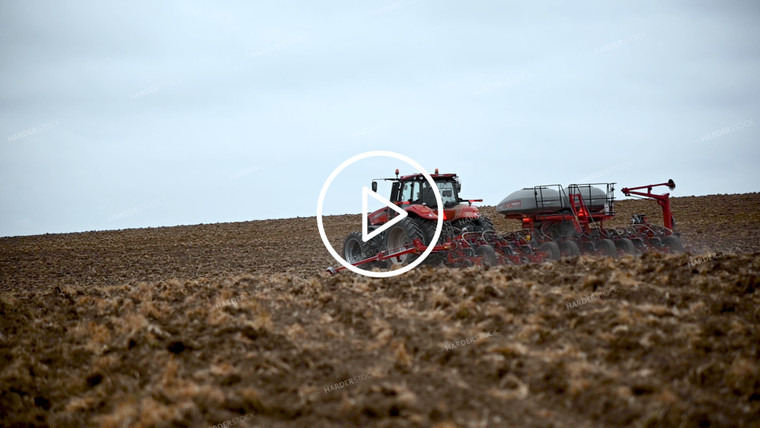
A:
<point x="448" y="193"/>
<point x="410" y="192"/>
<point x="445" y="188"/>
<point x="419" y="192"/>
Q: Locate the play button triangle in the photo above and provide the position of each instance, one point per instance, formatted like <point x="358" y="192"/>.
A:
<point x="366" y="235"/>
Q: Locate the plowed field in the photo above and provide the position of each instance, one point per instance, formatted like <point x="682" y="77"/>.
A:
<point x="238" y="324"/>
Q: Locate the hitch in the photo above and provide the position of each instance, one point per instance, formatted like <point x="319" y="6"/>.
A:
<point x="662" y="200"/>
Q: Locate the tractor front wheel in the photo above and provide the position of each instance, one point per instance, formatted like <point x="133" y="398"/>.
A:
<point x="354" y="249"/>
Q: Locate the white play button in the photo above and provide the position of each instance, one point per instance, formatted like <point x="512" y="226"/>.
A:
<point x="402" y="214"/>
<point x="366" y="235"/>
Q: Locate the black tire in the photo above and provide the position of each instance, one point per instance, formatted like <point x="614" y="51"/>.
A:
<point x="468" y="225"/>
<point x="374" y="246"/>
<point x="559" y="231"/>
<point x="480" y="224"/>
<point x="401" y="235"/>
<point x="626" y="245"/>
<point x="673" y="243"/>
<point x="484" y="223"/>
<point x="607" y="247"/>
<point x="569" y="249"/>
<point x="354" y="249"/>
<point x="487" y="254"/>
<point x="428" y="230"/>
<point x="552" y="249"/>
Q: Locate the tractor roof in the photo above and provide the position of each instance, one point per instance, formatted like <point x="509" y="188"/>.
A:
<point x="422" y="177"/>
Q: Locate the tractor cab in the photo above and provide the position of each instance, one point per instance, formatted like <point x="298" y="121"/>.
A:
<point x="416" y="190"/>
<point x="414" y="194"/>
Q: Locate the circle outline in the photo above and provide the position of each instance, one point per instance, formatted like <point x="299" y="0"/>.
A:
<point x="338" y="170"/>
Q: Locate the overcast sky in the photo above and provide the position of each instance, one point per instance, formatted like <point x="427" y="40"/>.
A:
<point x="135" y="114"/>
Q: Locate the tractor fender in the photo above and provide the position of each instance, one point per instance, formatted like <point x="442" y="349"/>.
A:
<point x="378" y="217"/>
<point x="467" y="213"/>
<point x="423" y="211"/>
<point x="461" y="212"/>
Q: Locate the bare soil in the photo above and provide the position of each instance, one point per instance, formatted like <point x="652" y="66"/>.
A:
<point x="198" y="325"/>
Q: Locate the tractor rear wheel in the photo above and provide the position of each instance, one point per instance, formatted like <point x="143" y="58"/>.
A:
<point x="480" y="224"/>
<point x="552" y="249"/>
<point x="673" y="243"/>
<point x="428" y="231"/>
<point x="484" y="223"/>
<point x="400" y="236"/>
<point x="626" y="245"/>
<point x="607" y="247"/>
<point x="569" y="249"/>
<point x="487" y="254"/>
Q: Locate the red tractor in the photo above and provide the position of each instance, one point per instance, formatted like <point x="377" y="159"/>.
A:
<point x="415" y="196"/>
